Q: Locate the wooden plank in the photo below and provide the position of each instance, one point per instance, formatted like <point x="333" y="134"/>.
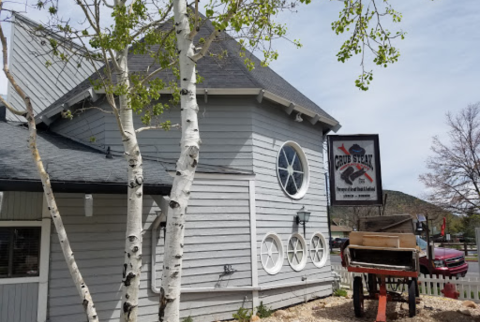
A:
<point x="381" y="241"/>
<point x="397" y="224"/>
<point x="406" y="240"/>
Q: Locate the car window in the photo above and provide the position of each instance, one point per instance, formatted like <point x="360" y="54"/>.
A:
<point x="421" y="243"/>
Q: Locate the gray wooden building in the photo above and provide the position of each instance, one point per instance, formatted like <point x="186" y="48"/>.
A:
<point x="261" y="162"/>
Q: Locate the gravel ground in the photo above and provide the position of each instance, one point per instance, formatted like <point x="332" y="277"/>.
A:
<point x="340" y="309"/>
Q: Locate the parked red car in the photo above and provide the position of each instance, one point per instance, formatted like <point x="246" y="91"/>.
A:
<point x="447" y="262"/>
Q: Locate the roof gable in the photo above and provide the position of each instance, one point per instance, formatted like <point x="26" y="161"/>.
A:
<point x="27" y="62"/>
<point x="227" y="76"/>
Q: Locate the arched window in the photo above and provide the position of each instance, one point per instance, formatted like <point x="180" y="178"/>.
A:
<point x="292" y="170"/>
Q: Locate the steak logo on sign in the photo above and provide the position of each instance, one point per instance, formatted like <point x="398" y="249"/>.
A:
<point x="355" y="162"/>
<point x="354" y="170"/>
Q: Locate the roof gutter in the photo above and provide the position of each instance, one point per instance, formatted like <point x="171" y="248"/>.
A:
<point x="48" y="116"/>
<point x="79" y="187"/>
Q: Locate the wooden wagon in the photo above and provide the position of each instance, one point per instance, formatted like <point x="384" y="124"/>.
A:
<point x="383" y="258"/>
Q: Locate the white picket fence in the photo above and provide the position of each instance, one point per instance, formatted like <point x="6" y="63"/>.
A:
<point x="468" y="287"/>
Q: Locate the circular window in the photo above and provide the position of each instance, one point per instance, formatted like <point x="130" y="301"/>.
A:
<point x="292" y="170"/>
<point x="318" y="251"/>
<point x="297" y="252"/>
<point x="271" y="253"/>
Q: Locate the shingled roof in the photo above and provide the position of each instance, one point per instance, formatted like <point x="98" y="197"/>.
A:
<point x="73" y="167"/>
<point x="227" y="73"/>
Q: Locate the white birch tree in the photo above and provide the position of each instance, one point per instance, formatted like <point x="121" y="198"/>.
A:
<point x="28" y="114"/>
<point x="133" y="28"/>
<point x="144" y="27"/>
<point x="254" y="24"/>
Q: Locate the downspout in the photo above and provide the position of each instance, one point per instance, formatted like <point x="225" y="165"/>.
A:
<point x="153" y="252"/>
<point x="162" y="203"/>
<point x="328" y="211"/>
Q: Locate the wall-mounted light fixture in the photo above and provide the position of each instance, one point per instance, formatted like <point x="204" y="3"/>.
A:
<point x="302" y="217"/>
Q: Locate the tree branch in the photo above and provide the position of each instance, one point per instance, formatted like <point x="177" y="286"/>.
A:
<point x="213" y="35"/>
<point x="153" y="23"/>
<point x="107" y="4"/>
<point x="155" y="127"/>
<point x="13" y="110"/>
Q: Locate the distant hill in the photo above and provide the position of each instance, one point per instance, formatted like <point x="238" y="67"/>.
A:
<point x="397" y="203"/>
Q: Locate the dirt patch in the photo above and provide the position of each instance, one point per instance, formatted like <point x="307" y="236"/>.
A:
<point x="339" y="309"/>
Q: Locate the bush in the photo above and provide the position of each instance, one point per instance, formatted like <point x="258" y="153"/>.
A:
<point x="187" y="319"/>
<point x="243" y="315"/>
<point x="263" y="311"/>
<point x="340" y="293"/>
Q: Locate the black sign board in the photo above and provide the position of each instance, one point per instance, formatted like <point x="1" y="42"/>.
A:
<point x="354" y="170"/>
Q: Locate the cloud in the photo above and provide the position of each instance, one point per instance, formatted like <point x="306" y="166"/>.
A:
<point x="406" y="104"/>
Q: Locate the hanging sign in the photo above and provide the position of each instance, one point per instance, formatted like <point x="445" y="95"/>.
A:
<point x="354" y="170"/>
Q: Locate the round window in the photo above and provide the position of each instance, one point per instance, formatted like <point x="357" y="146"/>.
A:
<point x="271" y="253"/>
<point x="318" y="251"/>
<point x="297" y="252"/>
<point x="292" y="170"/>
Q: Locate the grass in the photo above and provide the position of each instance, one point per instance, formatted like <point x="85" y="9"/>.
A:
<point x="340" y="293"/>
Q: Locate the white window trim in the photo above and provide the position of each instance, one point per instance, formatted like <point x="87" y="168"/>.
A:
<point x="306" y="171"/>
<point x="323" y="261"/>
<point x="300" y="266"/>
<point x="42" y="279"/>
<point x="22" y="280"/>
<point x="278" y="266"/>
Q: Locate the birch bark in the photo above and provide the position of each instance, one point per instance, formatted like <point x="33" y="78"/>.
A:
<point x="77" y="277"/>
<point x="190" y="145"/>
<point x="132" y="266"/>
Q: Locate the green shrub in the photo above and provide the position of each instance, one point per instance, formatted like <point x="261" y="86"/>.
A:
<point x="243" y="315"/>
<point x="187" y="319"/>
<point x="263" y="311"/>
<point x="340" y="293"/>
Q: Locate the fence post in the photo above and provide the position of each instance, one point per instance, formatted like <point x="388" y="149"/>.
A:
<point x="477" y="239"/>
<point x="465" y="248"/>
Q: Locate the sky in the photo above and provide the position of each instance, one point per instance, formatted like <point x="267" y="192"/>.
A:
<point x="438" y="72"/>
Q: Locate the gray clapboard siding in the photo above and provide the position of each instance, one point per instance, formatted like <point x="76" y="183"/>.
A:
<point x="210" y="244"/>
<point x="282" y="297"/>
<point x="18" y="302"/>
<point x="87" y="127"/>
<point x="275" y="211"/>
<point x="27" y="63"/>
<point x="21" y="205"/>
<point x="225" y="129"/>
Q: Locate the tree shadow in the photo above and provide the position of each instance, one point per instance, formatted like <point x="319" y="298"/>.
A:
<point x="347" y="312"/>
<point x="450" y="316"/>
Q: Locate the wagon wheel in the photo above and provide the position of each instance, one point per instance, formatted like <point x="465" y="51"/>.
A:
<point x="358" y="296"/>
<point x="372" y="285"/>
<point x="417" y="291"/>
<point x="412" y="292"/>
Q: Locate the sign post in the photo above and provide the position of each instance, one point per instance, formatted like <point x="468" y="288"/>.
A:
<point x="354" y="170"/>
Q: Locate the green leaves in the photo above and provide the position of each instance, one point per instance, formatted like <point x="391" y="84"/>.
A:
<point x="253" y="23"/>
<point x="363" y="20"/>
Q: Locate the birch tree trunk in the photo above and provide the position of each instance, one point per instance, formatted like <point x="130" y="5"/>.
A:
<point x="77" y="277"/>
<point x="132" y="266"/>
<point x="185" y="171"/>
<point x="80" y="284"/>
